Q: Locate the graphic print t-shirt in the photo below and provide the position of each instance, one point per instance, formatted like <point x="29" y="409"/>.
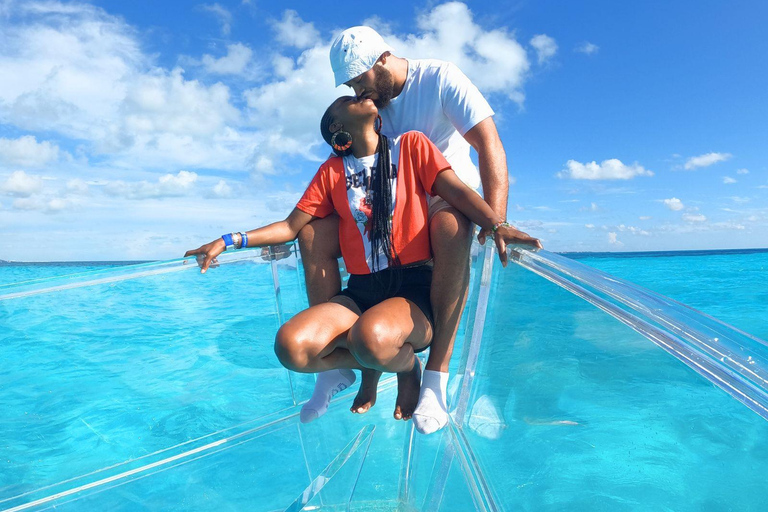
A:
<point x="342" y="185"/>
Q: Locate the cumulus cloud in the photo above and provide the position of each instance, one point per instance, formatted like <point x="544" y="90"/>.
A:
<point x="223" y="16"/>
<point x="545" y="47"/>
<point x="491" y="57"/>
<point x="587" y="48"/>
<point x="77" y="186"/>
<point x="674" y="204"/>
<point x="168" y="185"/>
<point x="728" y="180"/>
<point x="705" y="160"/>
<point x="742" y="171"/>
<point x="233" y="63"/>
<point x="45" y="204"/>
<point x="295" y="32"/>
<point x="21" y="184"/>
<point x="612" y="169"/>
<point x="222" y="189"/>
<point x="81" y="73"/>
<point x="27" y="152"/>
<point x="591" y="208"/>
<point x="694" y="217"/>
<point x="613" y="239"/>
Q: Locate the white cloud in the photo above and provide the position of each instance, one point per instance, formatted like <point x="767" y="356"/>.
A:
<point x="77" y="186"/>
<point x="491" y="58"/>
<point x="728" y="180"/>
<point x="27" y="152"/>
<point x="587" y="48"/>
<point x="168" y="185"/>
<point x="674" y="204"/>
<point x="233" y="63"/>
<point x="222" y="189"/>
<point x="691" y="217"/>
<point x="740" y="200"/>
<point x="612" y="169"/>
<point x="21" y="184"/>
<point x="645" y="217"/>
<point x="222" y="15"/>
<point x="742" y="171"/>
<point x="295" y="32"/>
<point x="589" y="226"/>
<point x="45" y="205"/>
<point x="81" y="74"/>
<point x="545" y="46"/>
<point x="591" y="208"/>
<point x="705" y="160"/>
<point x="613" y="239"/>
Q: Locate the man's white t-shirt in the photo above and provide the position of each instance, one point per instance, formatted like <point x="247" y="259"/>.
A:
<point x="442" y="103"/>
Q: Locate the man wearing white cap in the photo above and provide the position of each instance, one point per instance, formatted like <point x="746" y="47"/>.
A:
<point x="437" y="99"/>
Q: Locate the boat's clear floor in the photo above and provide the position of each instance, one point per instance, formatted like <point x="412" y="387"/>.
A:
<point x="163" y="393"/>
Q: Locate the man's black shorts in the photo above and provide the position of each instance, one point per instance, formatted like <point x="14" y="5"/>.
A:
<point x="412" y="283"/>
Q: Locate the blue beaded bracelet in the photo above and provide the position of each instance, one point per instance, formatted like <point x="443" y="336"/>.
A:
<point x="228" y="241"/>
<point x="244" y="242"/>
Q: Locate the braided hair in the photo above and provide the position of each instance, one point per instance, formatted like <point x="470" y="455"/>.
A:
<point x="381" y="194"/>
<point x="381" y="225"/>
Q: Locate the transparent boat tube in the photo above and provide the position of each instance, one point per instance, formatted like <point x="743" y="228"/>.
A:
<point x="734" y="360"/>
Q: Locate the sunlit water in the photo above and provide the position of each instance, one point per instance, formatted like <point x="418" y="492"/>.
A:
<point x="572" y="409"/>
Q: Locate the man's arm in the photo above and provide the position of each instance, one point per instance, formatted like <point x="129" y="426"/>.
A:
<point x="493" y="164"/>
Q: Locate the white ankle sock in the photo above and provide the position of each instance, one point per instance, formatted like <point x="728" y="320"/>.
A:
<point x="431" y="413"/>
<point x="327" y="385"/>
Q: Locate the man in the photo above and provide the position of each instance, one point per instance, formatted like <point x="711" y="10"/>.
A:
<point x="437" y="99"/>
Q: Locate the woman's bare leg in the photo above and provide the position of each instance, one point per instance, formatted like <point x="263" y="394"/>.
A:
<point x="315" y="340"/>
<point x="385" y="338"/>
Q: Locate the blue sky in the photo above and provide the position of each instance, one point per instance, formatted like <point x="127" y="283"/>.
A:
<point x="137" y="130"/>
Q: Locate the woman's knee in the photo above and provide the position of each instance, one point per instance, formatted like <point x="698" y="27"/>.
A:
<point x="292" y="347"/>
<point x="373" y="342"/>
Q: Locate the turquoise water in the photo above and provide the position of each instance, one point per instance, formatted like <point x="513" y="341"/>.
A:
<point x="570" y="408"/>
<point x="729" y="285"/>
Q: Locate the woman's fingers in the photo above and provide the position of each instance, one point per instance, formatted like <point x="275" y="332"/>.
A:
<point x="481" y="236"/>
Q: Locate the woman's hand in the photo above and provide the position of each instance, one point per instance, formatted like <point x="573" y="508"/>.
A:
<point x="206" y="254"/>
<point x="506" y="234"/>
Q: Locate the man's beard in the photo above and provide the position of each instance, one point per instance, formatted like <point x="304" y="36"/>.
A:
<point x="384" y="84"/>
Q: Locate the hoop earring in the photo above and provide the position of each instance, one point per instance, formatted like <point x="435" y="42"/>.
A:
<point x="341" y="140"/>
<point x="380" y="123"/>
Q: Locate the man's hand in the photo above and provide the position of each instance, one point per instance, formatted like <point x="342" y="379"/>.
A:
<point x="508" y="235"/>
<point x="206" y="254"/>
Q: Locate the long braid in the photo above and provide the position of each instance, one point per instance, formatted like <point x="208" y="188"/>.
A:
<point x="381" y="227"/>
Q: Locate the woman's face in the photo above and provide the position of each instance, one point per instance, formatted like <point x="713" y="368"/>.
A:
<point x="352" y="112"/>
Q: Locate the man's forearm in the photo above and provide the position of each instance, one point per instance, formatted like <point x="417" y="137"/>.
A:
<point x="492" y="160"/>
<point x="493" y="173"/>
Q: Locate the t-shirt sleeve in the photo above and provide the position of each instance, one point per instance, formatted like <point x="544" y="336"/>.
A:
<point x="462" y="102"/>
<point x="426" y="159"/>
<point x="317" y="200"/>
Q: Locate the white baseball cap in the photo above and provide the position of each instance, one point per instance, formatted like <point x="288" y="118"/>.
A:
<point x="355" y="51"/>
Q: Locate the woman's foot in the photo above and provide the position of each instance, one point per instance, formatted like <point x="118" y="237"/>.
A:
<point x="328" y="384"/>
<point x="366" y="395"/>
<point x="408" y="385"/>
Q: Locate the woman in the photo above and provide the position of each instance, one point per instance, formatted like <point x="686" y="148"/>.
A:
<point x="379" y="188"/>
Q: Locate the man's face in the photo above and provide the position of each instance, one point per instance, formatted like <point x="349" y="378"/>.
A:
<point x="377" y="84"/>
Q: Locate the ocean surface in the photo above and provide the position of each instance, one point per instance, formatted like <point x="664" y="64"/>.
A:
<point x="570" y="409"/>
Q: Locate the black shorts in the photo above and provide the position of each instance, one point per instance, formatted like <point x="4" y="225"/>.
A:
<point x="412" y="283"/>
